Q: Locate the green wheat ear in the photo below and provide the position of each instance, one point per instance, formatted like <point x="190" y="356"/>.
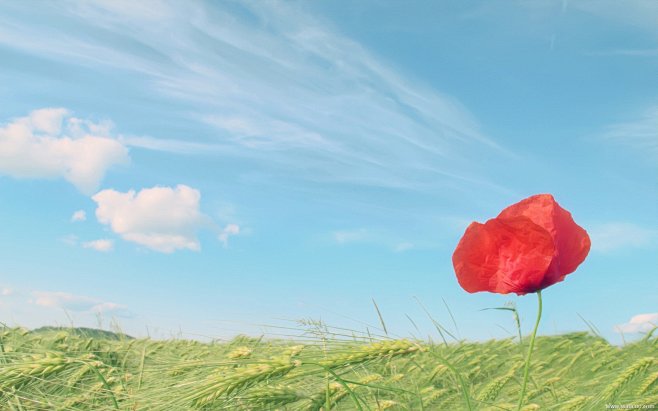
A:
<point x="575" y="404"/>
<point x="242" y="378"/>
<point x="271" y="396"/>
<point x="491" y="391"/>
<point x="647" y="383"/>
<point x="93" y="374"/>
<point x="432" y="394"/>
<point x="624" y="379"/>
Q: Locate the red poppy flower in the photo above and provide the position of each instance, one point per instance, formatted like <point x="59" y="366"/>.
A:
<point x="530" y="245"/>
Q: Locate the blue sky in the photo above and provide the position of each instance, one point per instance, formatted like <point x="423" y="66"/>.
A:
<point x="210" y="168"/>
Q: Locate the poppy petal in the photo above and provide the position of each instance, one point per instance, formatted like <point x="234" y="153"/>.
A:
<point x="572" y="244"/>
<point x="503" y="255"/>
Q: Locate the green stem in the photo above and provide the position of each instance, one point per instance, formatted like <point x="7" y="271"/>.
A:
<point x="104" y="382"/>
<point x="527" y="358"/>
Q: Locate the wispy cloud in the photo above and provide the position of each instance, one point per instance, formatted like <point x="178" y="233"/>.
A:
<point x="403" y="246"/>
<point x="77" y="303"/>
<point x="103" y="245"/>
<point x="647" y="52"/>
<point x="617" y="235"/>
<point x="378" y="238"/>
<point x="351" y="236"/>
<point x="228" y="231"/>
<point x="69" y="239"/>
<point x="177" y="146"/>
<point x="640" y="134"/>
<point x="641" y="14"/>
<point x="6" y="294"/>
<point x="639" y="323"/>
<point x="276" y="84"/>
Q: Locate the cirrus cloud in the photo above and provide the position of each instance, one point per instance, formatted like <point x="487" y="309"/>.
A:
<point x="350" y="236"/>
<point x="50" y="143"/>
<point x="613" y="236"/>
<point x="163" y="219"/>
<point x="639" y="133"/>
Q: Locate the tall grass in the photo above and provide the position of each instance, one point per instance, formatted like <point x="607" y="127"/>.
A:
<point x="63" y="370"/>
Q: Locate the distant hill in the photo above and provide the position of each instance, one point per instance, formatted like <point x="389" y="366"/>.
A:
<point x="84" y="332"/>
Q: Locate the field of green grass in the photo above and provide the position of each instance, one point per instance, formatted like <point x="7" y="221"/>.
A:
<point x="59" y="369"/>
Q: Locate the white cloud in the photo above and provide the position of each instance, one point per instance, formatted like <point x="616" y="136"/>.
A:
<point x="617" y="235"/>
<point x="229" y="230"/>
<point x="639" y="323"/>
<point x="78" y="303"/>
<point x="62" y="300"/>
<point x="79" y="215"/>
<point x="640" y="134"/>
<point x="103" y="245"/>
<point x="161" y="218"/>
<point x="50" y="143"/>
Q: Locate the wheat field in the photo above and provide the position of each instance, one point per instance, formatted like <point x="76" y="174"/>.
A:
<point x="74" y="369"/>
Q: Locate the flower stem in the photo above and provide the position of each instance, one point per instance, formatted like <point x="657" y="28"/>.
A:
<point x="527" y="358"/>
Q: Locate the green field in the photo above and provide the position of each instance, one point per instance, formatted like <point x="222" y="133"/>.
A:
<point x="59" y="369"/>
